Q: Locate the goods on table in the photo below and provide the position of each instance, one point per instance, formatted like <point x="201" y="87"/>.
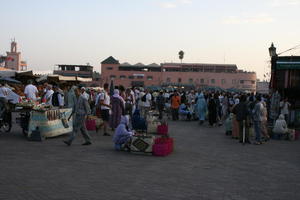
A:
<point x="152" y="126"/>
<point x="42" y="107"/>
<point x="51" y="123"/>
<point x="142" y="143"/>
<point x="25" y="104"/>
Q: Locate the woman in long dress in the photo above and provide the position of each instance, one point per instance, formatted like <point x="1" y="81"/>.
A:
<point x="264" y="125"/>
<point x="235" y="124"/>
<point x="118" y="109"/>
<point x="212" y="111"/>
<point x="201" y="108"/>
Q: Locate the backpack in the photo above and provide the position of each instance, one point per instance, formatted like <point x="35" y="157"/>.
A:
<point x="144" y="98"/>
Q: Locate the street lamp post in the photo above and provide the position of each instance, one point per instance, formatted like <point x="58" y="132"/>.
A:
<point x="273" y="55"/>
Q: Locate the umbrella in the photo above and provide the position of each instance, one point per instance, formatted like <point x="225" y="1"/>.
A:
<point x="112" y="88"/>
<point x="10" y="80"/>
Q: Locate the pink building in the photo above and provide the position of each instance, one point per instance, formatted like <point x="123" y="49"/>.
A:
<point x="13" y="59"/>
<point x="196" y="75"/>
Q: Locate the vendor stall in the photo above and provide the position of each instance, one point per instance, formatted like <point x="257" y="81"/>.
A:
<point x="51" y="123"/>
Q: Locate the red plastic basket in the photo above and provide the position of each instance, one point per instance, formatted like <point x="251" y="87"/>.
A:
<point x="163" y="146"/>
<point x="162" y="129"/>
<point x="90" y="124"/>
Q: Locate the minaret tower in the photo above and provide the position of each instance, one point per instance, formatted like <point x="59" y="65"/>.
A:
<point x="13" y="60"/>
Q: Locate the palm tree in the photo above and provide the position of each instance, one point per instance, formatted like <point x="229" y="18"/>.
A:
<point x="181" y="55"/>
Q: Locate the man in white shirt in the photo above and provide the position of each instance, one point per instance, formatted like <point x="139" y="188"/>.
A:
<point x="284" y="106"/>
<point x="104" y="100"/>
<point x="48" y="95"/>
<point x="4" y="91"/>
<point x="3" y="100"/>
<point x="84" y="93"/>
<point x="140" y="102"/>
<point x="31" y="91"/>
<point x="147" y="104"/>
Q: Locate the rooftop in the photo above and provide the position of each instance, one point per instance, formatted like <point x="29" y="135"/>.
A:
<point x="110" y="60"/>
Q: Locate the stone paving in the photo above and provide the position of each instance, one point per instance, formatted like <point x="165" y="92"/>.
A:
<point x="206" y="164"/>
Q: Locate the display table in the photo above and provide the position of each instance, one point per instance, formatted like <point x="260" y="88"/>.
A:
<point x="50" y="122"/>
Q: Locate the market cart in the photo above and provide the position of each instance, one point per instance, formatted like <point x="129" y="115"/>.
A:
<point x="51" y="123"/>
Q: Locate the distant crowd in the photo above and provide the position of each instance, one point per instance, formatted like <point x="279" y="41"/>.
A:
<point x="239" y="112"/>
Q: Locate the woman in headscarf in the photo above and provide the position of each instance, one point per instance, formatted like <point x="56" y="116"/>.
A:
<point x="71" y="96"/>
<point x="280" y="127"/>
<point x="118" y="109"/>
<point x="201" y="108"/>
<point x="212" y="111"/>
<point x="123" y="135"/>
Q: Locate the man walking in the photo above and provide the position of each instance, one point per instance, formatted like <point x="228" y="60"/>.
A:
<point x="241" y="112"/>
<point x="81" y="111"/>
<point x="104" y="101"/>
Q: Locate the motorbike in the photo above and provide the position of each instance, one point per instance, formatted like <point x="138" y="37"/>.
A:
<point x="5" y="119"/>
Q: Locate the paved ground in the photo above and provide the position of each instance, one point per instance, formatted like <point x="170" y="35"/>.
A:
<point x="205" y="165"/>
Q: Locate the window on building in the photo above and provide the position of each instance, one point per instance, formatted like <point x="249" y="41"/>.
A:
<point x="109" y="68"/>
<point x="253" y="82"/>
<point x="202" y="80"/>
<point x="112" y="76"/>
<point x="139" y="77"/>
<point x="223" y="81"/>
<point x="168" y="80"/>
<point x="149" y="78"/>
<point x="131" y="77"/>
<point x="179" y="80"/>
<point x="241" y="81"/>
<point x="122" y="77"/>
<point x="191" y="80"/>
<point x="213" y="81"/>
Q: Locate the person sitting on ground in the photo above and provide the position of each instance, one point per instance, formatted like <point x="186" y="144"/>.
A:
<point x="280" y="126"/>
<point x="123" y="135"/>
<point x="183" y="110"/>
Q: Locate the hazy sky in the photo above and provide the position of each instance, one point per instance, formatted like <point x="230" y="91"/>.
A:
<point x="239" y="32"/>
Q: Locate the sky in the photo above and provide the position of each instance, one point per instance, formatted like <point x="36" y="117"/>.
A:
<point x="50" y="32"/>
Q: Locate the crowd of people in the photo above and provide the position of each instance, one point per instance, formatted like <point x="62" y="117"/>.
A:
<point x="238" y="111"/>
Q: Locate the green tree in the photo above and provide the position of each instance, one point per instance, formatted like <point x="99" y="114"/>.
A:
<point x="181" y="55"/>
